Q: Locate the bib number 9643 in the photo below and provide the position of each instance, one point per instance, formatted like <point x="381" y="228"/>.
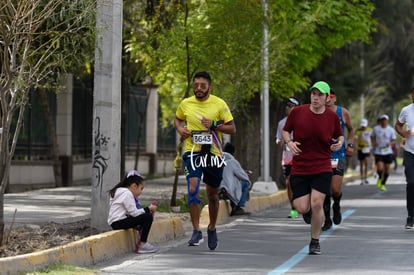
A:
<point x="202" y="137"/>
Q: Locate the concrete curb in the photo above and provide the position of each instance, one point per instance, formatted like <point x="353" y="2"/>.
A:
<point x="101" y="247"/>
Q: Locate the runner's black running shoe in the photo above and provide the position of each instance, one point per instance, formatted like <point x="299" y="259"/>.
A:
<point x="212" y="239"/>
<point x="314" y="248"/>
<point x="337" y="216"/>
<point x="307" y="217"/>
<point x="327" y="225"/>
<point x="410" y="223"/>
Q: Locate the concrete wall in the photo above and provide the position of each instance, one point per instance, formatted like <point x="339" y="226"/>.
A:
<point x="30" y="175"/>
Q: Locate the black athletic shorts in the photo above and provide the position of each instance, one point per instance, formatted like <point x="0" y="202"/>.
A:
<point x="303" y="184"/>
<point x="340" y="168"/>
<point x="287" y="169"/>
<point x="387" y="159"/>
<point x="208" y="166"/>
<point x="362" y="156"/>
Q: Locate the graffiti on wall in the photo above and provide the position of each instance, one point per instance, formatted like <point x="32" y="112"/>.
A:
<point x="100" y="163"/>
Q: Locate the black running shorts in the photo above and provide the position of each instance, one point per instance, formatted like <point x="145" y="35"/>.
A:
<point x="302" y="185"/>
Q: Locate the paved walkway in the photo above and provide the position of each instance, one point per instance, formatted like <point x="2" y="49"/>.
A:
<point x="70" y="204"/>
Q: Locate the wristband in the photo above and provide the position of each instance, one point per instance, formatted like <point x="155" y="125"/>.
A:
<point x="216" y="124"/>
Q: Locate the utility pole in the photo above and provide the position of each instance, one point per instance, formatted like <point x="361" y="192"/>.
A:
<point x="106" y="140"/>
<point x="265" y="184"/>
<point x="362" y="68"/>
<point x="265" y="98"/>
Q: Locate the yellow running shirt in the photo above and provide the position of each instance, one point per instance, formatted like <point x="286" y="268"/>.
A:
<point x="192" y="110"/>
<point x="364" y="139"/>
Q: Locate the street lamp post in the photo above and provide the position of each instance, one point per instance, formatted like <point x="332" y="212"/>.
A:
<point x="265" y="184"/>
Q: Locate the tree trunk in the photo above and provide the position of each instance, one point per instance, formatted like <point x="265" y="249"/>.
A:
<point x="125" y="84"/>
<point x="142" y="114"/>
<point x="57" y="168"/>
<point x="124" y="112"/>
<point x="173" y="201"/>
<point x="179" y="149"/>
<point x="247" y="139"/>
<point x="177" y="167"/>
<point x="1" y="218"/>
<point x="7" y="150"/>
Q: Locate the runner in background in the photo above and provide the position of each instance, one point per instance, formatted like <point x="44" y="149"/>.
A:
<point x="287" y="156"/>
<point x="383" y="137"/>
<point x="338" y="161"/>
<point x="405" y="128"/>
<point x="363" y="138"/>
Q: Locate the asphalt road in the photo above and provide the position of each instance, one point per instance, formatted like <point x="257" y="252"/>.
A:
<point x="371" y="240"/>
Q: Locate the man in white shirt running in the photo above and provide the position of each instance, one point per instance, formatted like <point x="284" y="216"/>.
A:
<point x="406" y="117"/>
<point x="287" y="155"/>
<point x="383" y="137"/>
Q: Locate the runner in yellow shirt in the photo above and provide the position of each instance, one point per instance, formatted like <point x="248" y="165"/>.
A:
<point x="363" y="138"/>
<point x="200" y="121"/>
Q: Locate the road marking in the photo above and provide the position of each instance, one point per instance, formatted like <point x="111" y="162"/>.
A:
<point x="298" y="257"/>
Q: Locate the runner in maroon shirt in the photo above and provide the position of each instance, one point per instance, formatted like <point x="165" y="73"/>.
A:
<point x="316" y="133"/>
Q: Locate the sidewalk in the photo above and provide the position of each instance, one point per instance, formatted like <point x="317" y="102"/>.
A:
<point x="71" y="204"/>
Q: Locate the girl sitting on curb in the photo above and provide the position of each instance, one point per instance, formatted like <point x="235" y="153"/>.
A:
<point x="124" y="214"/>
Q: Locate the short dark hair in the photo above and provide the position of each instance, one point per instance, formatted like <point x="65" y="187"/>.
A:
<point x="229" y="148"/>
<point x="204" y="75"/>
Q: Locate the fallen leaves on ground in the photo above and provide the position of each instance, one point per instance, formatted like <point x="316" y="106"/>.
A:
<point x="32" y="238"/>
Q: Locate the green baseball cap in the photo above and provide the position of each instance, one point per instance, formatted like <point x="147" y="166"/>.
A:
<point x="322" y="87"/>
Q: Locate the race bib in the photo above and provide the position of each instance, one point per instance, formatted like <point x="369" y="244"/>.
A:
<point x="202" y="137"/>
<point x="385" y="150"/>
<point x="366" y="150"/>
<point x="334" y="163"/>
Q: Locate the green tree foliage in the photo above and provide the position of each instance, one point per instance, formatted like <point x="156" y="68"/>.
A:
<point x="225" y="38"/>
<point x="390" y="59"/>
<point x="388" y="63"/>
<point x="395" y="43"/>
<point x="145" y="21"/>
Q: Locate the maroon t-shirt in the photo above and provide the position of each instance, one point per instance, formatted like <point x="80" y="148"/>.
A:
<point x="314" y="132"/>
